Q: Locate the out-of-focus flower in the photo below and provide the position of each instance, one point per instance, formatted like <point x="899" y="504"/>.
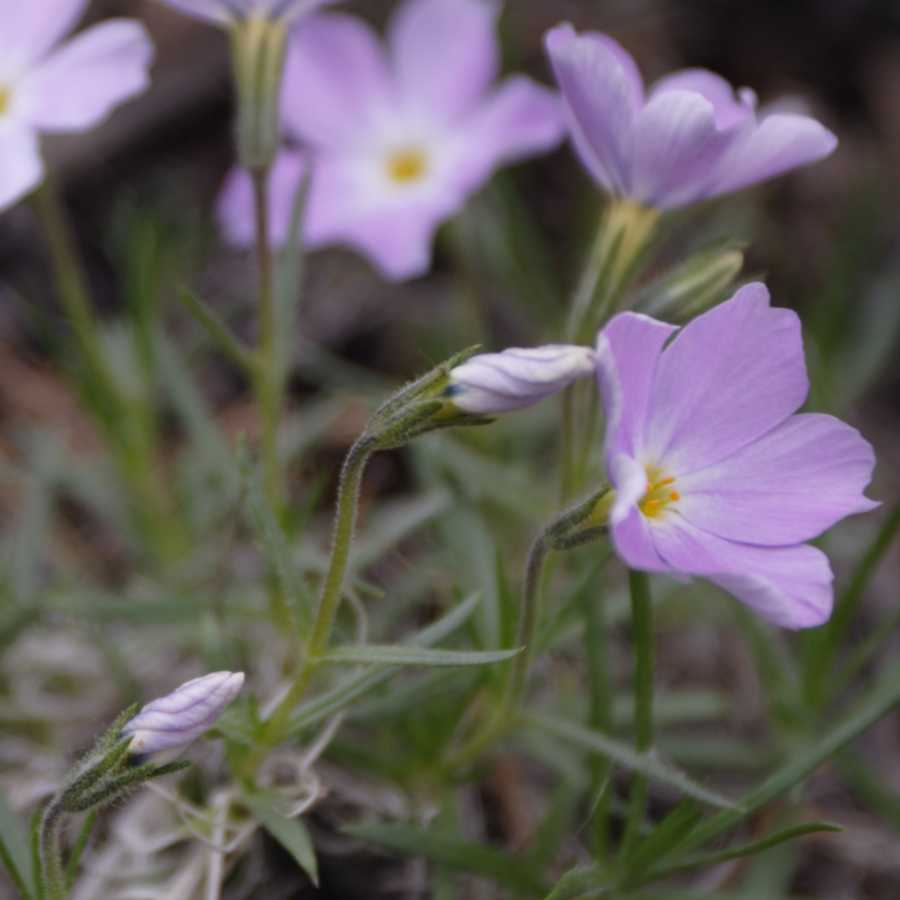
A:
<point x="236" y="201"/>
<point x="399" y="137"/>
<point x="227" y="11"/>
<point x="49" y="88"/>
<point x="182" y="716"/>
<point x="688" y="139"/>
<point x="714" y="473"/>
<point x="518" y="377"/>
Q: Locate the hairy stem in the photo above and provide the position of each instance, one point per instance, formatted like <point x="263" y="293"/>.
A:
<point x="329" y="599"/>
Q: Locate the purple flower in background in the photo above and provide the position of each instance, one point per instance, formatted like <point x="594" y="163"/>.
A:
<point x="226" y="11"/>
<point x="518" y="377"/>
<point x="235" y="207"/>
<point x="182" y="716"/>
<point x="50" y="88"/>
<point x="714" y="473"/>
<point x="400" y="136"/>
<point x="688" y="139"/>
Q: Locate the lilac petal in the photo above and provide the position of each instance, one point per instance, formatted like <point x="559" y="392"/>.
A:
<point x="184" y="715"/>
<point x="780" y="142"/>
<point x="602" y="93"/>
<point x="676" y="146"/>
<point x="629" y="478"/>
<point x="235" y="209"/>
<point x="393" y="231"/>
<point x="790" y="586"/>
<point x="518" y="377"/>
<point x="628" y="350"/>
<point x="336" y="82"/>
<point x="730" y="376"/>
<point x="729" y="110"/>
<point x="81" y="83"/>
<point x="225" y="11"/>
<point x="633" y="541"/>
<point x="21" y="168"/>
<point x="28" y="29"/>
<point x="521" y="118"/>
<point x="785" y="488"/>
<point x="444" y="53"/>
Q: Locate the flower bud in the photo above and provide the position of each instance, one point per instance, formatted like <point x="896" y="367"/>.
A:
<point x="693" y="287"/>
<point x="518" y="377"/>
<point x="182" y="716"/>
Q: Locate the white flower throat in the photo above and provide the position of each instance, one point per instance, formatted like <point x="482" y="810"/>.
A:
<point x="659" y="494"/>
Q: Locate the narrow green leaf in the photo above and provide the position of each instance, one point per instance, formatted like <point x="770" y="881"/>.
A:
<point x="772" y="840"/>
<point x="331" y="702"/>
<point x="578" y="883"/>
<point x="14" y="851"/>
<point x="662" y="840"/>
<point x="448" y="850"/>
<point x="292" y="834"/>
<point x="84" y="835"/>
<point x="876" y="704"/>
<point x="405" y="655"/>
<point x="646" y="764"/>
<point x="274" y="545"/>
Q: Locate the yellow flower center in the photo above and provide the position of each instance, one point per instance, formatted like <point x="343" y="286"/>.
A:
<point x="5" y="99"/>
<point x="659" y="493"/>
<point x="407" y="165"/>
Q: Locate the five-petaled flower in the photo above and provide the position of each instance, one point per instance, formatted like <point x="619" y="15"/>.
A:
<point x="715" y="475"/>
<point x="181" y="717"/>
<point x="688" y="139"/>
<point x="50" y="88"/>
<point x="227" y="11"/>
<point x="398" y="137"/>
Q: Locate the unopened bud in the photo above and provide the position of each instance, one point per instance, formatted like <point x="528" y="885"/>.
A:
<point x="182" y="716"/>
<point x="500" y="382"/>
<point x="694" y="286"/>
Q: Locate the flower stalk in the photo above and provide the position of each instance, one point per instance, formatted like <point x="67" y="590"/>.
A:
<point x="642" y="637"/>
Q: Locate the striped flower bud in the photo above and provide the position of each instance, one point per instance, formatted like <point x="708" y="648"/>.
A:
<point x="182" y="716"/>
<point x="518" y="377"/>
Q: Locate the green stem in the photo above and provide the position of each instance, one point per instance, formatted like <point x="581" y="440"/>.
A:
<point x="329" y="599"/>
<point x="596" y="642"/>
<point x="642" y="637"/>
<point x="574" y="527"/>
<point x="269" y="380"/>
<point x="131" y="436"/>
<point x="54" y="873"/>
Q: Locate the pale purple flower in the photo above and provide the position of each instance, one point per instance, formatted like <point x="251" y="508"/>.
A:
<point x="688" y="138"/>
<point x="400" y="135"/>
<point x="518" y="377"/>
<point x="182" y="716"/>
<point x="227" y="11"/>
<point x="235" y="205"/>
<point x="715" y="474"/>
<point x="45" y="87"/>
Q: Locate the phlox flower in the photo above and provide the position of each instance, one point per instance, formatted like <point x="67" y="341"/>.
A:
<point x="45" y="87"/>
<point x="181" y="717"/>
<point x="688" y="138"/>
<point x="715" y="473"/>
<point x="227" y="11"/>
<point x="399" y="135"/>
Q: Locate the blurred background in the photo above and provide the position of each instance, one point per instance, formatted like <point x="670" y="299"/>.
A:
<point x="141" y="191"/>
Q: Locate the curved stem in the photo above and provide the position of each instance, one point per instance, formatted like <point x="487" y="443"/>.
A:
<point x="54" y="873"/>
<point x="329" y="599"/>
<point x="642" y="637"/>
